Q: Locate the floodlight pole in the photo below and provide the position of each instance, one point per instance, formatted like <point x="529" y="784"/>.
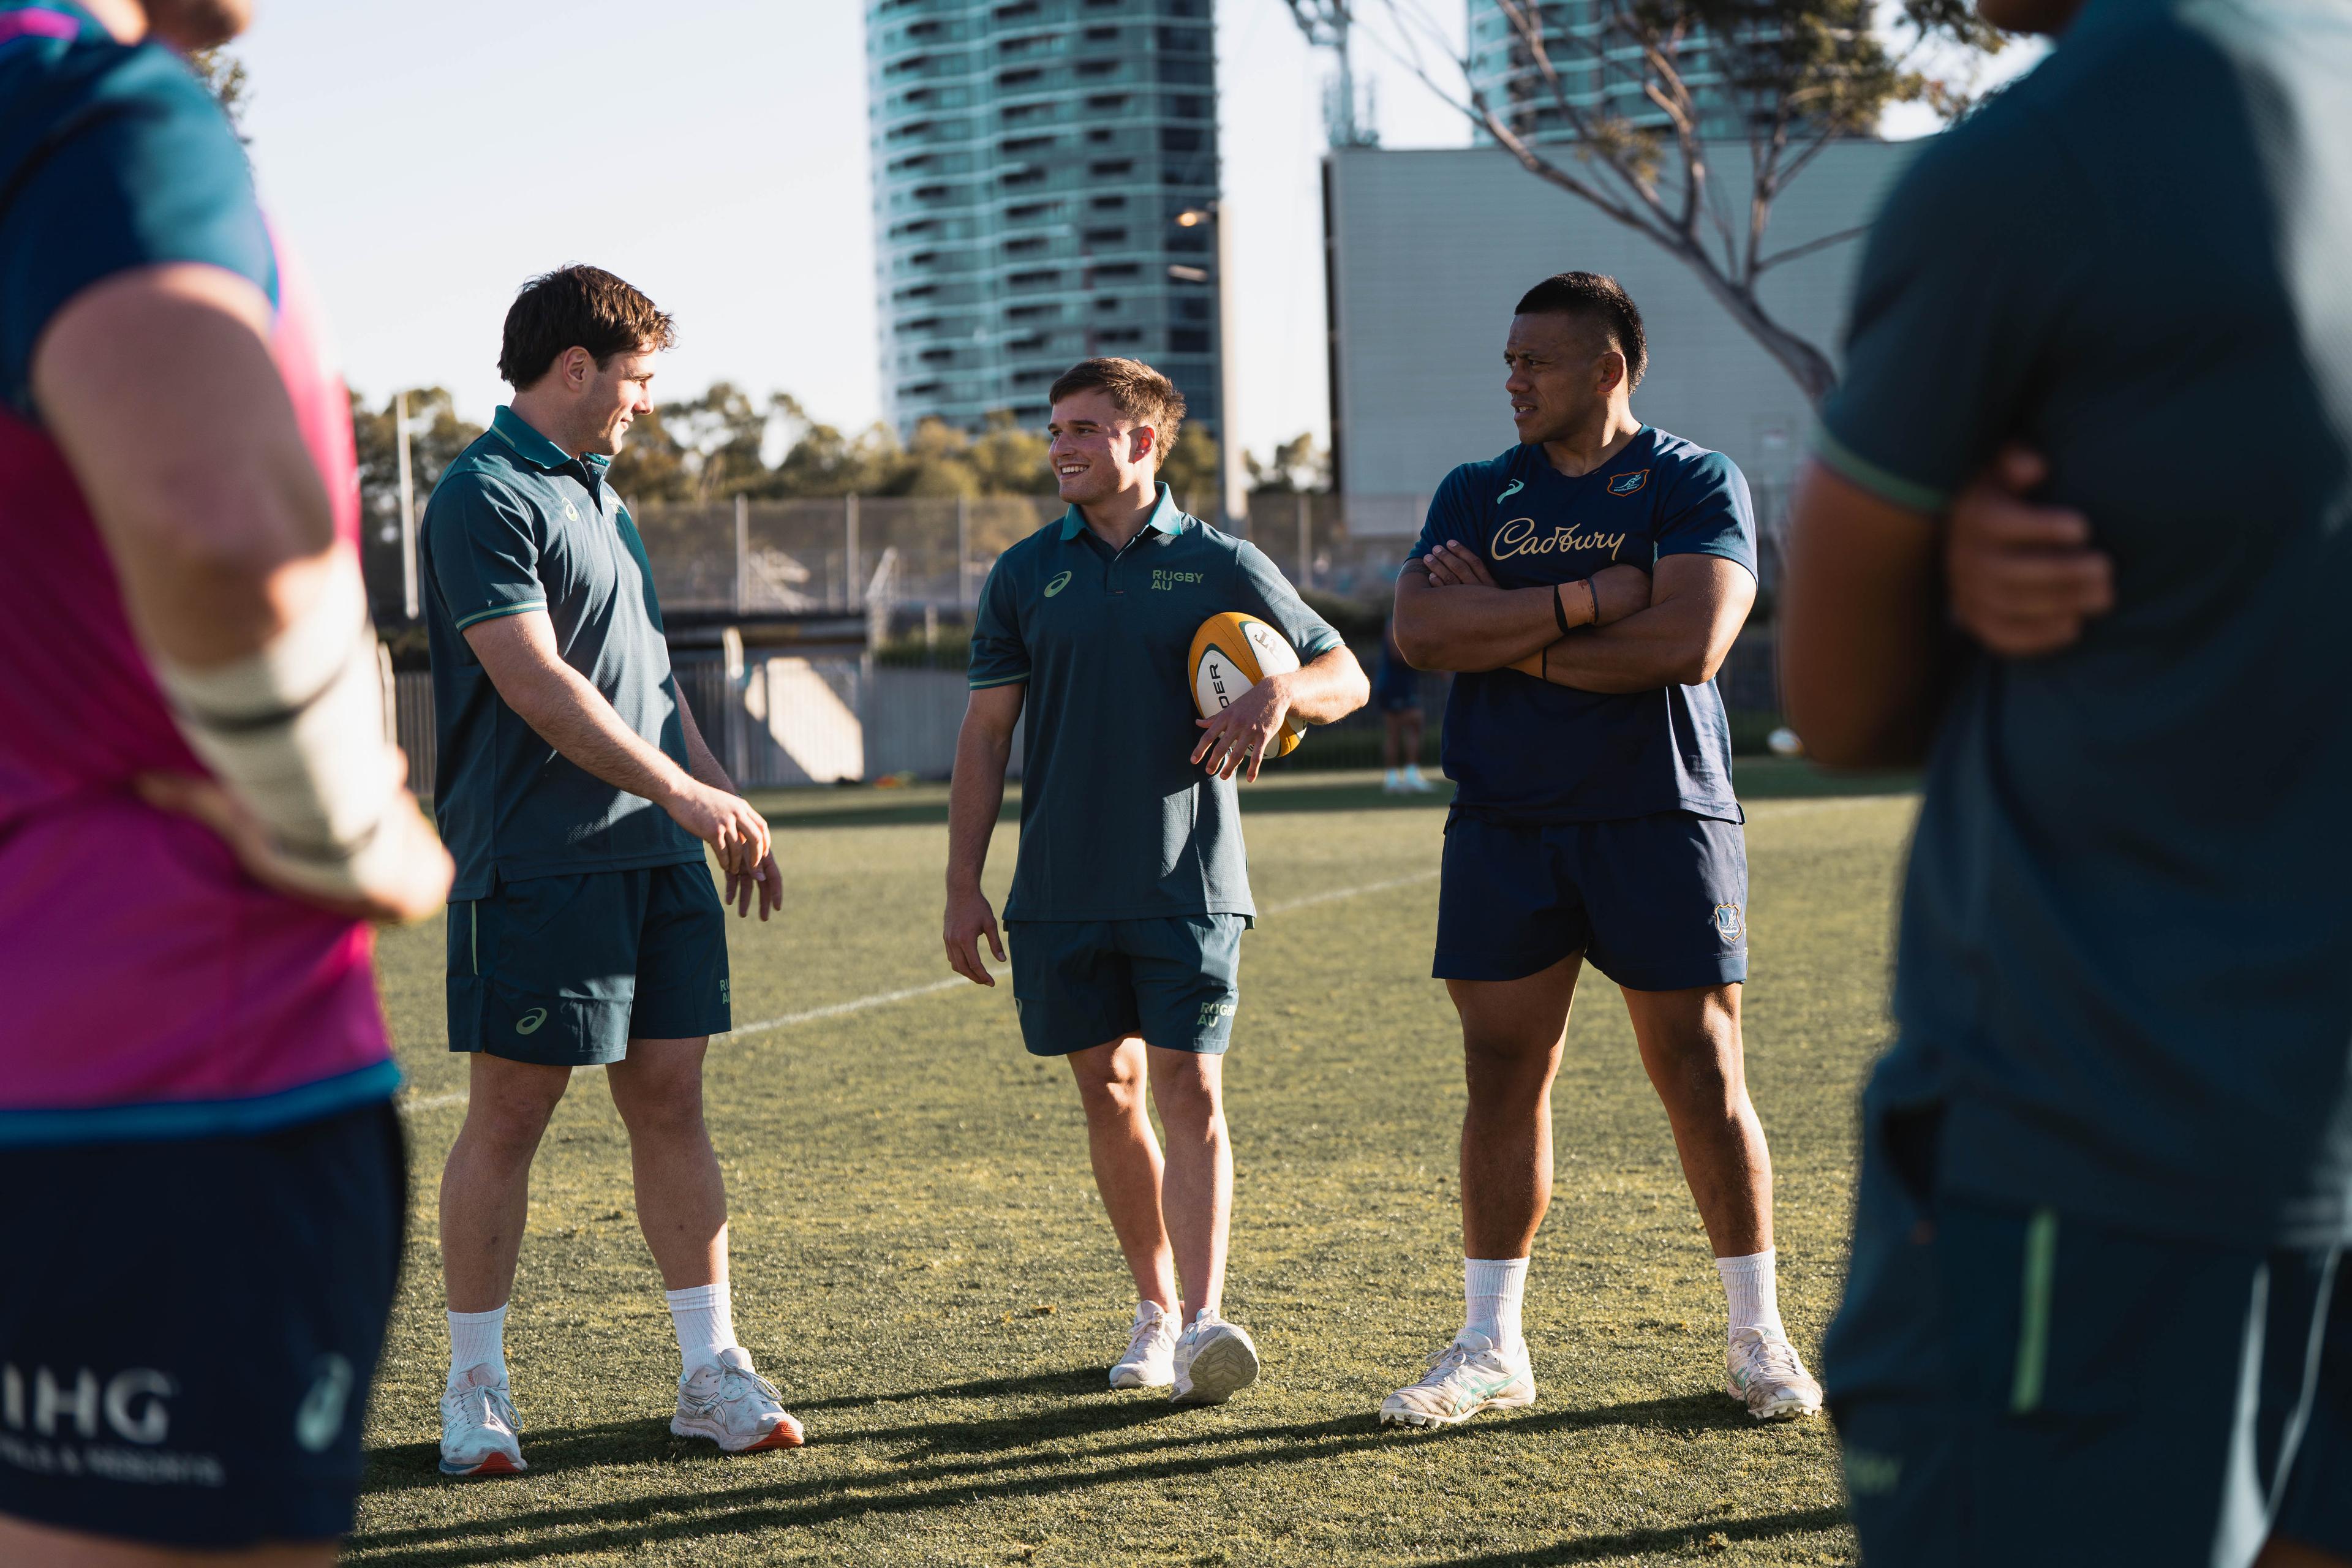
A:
<point x="407" y="514"/>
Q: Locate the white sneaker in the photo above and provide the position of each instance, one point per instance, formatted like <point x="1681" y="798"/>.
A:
<point x="478" y="1426"/>
<point x="1150" y="1357"/>
<point x="1765" y="1374"/>
<point x="1215" y="1360"/>
<point x="1471" y="1375"/>
<point x="734" y="1406"/>
<point x="1392" y="783"/>
<point x="1415" y="783"/>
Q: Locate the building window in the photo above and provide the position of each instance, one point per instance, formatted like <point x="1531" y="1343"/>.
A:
<point x="1033" y="312"/>
<point x="1020" y="144"/>
<point x="1102" y="35"/>
<point x="1121" y="270"/>
<point x="1099" y="67"/>
<point x="1111" y="168"/>
<point x="938" y="356"/>
<point x="1020" y="11"/>
<point x="1034" y="280"/>
<point x="1107" y="204"/>
<point x="1107" y="302"/>
<point x="1030" y="212"/>
<point x="1027" y="246"/>
<point x="1020" y="79"/>
<point x="1106" y="236"/>
<point x="1188" y="340"/>
<point x="1105" y="103"/>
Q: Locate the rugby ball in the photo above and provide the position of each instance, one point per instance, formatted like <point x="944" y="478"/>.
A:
<point x="1232" y="652"/>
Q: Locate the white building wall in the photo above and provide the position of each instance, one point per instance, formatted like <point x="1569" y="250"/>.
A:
<point x="1431" y="248"/>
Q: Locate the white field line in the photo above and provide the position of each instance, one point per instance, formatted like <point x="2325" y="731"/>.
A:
<point x="1773" y="808"/>
<point x="907" y="994"/>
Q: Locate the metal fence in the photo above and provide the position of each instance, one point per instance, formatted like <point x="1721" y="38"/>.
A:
<point x="822" y="555"/>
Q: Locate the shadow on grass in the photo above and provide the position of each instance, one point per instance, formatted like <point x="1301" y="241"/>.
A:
<point x="1665" y="1538"/>
<point x="954" y="1464"/>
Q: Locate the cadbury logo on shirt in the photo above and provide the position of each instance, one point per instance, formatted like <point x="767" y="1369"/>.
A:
<point x="1520" y="537"/>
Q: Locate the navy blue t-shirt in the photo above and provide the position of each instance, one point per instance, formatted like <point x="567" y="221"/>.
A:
<point x="113" y="156"/>
<point x="2126" y="950"/>
<point x="1522" y="750"/>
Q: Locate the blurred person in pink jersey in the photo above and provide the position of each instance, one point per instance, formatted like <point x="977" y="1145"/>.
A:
<point x="199" y="812"/>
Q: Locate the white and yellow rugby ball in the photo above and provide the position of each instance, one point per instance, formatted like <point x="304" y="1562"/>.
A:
<point x="1232" y="652"/>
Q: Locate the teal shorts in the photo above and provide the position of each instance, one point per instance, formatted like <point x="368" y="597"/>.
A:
<point x="1174" y="980"/>
<point x="566" y="971"/>
<point x="2047" y="1391"/>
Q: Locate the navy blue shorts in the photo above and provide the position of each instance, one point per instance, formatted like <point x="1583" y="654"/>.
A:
<point x="1655" y="903"/>
<point x="1175" y="980"/>
<point x="2035" y="1388"/>
<point x="189" y="1328"/>
<point x="566" y="971"/>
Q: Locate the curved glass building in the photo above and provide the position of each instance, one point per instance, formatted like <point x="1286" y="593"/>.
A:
<point x="1032" y="162"/>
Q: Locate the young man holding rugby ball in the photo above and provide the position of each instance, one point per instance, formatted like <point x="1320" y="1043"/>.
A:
<point x="1130" y="895"/>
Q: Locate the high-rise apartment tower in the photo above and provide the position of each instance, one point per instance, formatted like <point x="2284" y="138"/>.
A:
<point x="1044" y="185"/>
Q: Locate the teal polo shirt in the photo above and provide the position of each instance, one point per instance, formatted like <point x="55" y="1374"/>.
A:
<point x="517" y="524"/>
<point x="1116" y="821"/>
<point x="2125" y="933"/>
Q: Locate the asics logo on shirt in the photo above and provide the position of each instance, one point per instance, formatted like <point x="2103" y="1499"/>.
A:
<point x="1519" y="537"/>
<point x="1515" y="486"/>
<point x="1057" y="585"/>
<point x="529" y="1021"/>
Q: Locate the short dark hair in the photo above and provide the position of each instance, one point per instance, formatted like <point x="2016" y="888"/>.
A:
<point x="577" y="306"/>
<point x="1134" y="388"/>
<point x="1598" y="298"/>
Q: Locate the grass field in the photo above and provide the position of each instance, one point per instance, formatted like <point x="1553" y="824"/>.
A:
<point x="920" y="1262"/>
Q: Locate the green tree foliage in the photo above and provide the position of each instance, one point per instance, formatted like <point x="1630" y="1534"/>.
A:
<point x="435" y="436"/>
<point x="224" y="74"/>
<point x="718" y="446"/>
<point x="1299" y="468"/>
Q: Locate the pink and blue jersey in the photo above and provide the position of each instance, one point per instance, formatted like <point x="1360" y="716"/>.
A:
<point x="148" y="988"/>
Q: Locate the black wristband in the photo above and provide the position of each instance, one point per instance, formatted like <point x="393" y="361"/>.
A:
<point x="1558" y="610"/>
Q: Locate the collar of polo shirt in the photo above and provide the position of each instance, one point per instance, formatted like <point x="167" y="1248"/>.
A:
<point x="1164" y="519"/>
<point x="538" y="451"/>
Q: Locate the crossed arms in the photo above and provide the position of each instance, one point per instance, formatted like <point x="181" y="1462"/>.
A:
<point x="1451" y="615"/>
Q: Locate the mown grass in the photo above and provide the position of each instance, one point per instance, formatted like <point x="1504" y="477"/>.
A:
<point x="920" y="1261"/>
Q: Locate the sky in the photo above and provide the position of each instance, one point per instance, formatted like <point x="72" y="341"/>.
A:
<point x="714" y="153"/>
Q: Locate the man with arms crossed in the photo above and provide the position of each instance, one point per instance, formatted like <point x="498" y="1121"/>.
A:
<point x="577" y="795"/>
<point x="2096" y="1310"/>
<point x="1130" y="895"/>
<point x="1594" y="817"/>
<point x="203" y="1174"/>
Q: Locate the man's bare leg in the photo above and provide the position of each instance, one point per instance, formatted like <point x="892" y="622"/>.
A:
<point x="1196" y="1191"/>
<point x="1128" y="1168"/>
<point x="681" y="1195"/>
<point x="1691" y="1048"/>
<point x="486" y="1184"/>
<point x="1511" y="1036"/>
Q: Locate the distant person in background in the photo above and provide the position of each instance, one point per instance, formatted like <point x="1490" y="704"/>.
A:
<point x="1131" y="891"/>
<point x="577" y="795"/>
<point x="1396" y="689"/>
<point x="2098" y="1309"/>
<point x="201" y="1180"/>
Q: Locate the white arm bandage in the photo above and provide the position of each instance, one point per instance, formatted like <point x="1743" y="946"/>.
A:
<point x="297" y="732"/>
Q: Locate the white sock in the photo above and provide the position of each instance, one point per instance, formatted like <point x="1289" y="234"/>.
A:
<point x="706" y="1322"/>
<point x="1492" y="1287"/>
<point x="1747" y="1282"/>
<point x="474" y="1339"/>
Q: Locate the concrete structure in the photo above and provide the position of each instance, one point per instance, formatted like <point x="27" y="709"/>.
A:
<point x="1429" y="250"/>
<point x="1601" y="73"/>
<point x="1032" y="159"/>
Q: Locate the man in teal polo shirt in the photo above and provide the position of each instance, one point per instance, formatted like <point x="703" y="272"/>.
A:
<point x="576" y="796"/>
<point x="1131" y="894"/>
